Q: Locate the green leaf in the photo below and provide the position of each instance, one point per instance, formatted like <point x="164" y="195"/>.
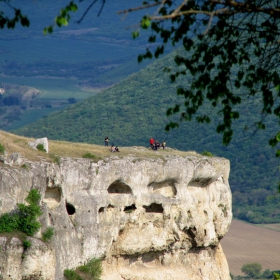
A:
<point x="61" y="21"/>
<point x="145" y="23"/>
<point x="135" y="34"/>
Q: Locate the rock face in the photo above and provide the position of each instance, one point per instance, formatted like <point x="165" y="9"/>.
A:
<point x="148" y="218"/>
<point x="43" y="141"/>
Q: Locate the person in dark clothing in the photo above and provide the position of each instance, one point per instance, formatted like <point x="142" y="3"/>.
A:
<point x="163" y="144"/>
<point x="157" y="144"/>
<point x="106" y="141"/>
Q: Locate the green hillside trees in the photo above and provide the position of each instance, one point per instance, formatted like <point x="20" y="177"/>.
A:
<point x="252" y="269"/>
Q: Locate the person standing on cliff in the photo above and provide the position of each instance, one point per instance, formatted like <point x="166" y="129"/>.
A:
<point x="106" y="141"/>
<point x="152" y="142"/>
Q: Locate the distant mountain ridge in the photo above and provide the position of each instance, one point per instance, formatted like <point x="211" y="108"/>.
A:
<point x="134" y="110"/>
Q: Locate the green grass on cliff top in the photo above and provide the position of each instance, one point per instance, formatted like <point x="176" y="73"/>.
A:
<point x="19" y="144"/>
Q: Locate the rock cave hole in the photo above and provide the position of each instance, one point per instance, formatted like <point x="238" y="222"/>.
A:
<point x="201" y="182"/>
<point x="205" y="214"/>
<point x="52" y="197"/>
<point x="119" y="187"/>
<point x="154" y="208"/>
<point x="152" y="257"/>
<point x="130" y="209"/>
<point x="191" y="232"/>
<point x="166" y="188"/>
<point x="71" y="210"/>
<point x="101" y="210"/>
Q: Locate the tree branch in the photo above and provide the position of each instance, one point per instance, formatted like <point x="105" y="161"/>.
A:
<point x="138" y="8"/>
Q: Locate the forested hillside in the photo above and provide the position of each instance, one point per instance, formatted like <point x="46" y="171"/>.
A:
<point x="134" y="110"/>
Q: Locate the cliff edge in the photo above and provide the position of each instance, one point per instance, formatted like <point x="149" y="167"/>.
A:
<point x="147" y="218"/>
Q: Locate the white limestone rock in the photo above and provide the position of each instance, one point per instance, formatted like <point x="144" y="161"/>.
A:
<point x="43" y="141"/>
<point x="148" y="218"/>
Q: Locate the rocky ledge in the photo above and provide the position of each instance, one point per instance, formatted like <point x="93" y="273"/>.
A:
<point x="149" y="219"/>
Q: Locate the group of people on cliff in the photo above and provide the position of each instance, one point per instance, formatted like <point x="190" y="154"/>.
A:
<point x="155" y="144"/>
<point x="113" y="148"/>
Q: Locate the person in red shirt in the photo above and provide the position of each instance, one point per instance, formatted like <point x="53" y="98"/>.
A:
<point x="152" y="142"/>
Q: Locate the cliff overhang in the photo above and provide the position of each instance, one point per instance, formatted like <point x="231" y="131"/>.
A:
<point x="160" y="218"/>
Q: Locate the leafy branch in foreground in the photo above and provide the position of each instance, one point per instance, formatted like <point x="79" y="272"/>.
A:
<point x="230" y="56"/>
<point x="10" y="22"/>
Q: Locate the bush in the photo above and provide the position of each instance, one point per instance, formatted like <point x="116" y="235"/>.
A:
<point x="2" y="149"/>
<point x="71" y="274"/>
<point x="48" y="234"/>
<point x="88" y="155"/>
<point x="26" y="244"/>
<point x="40" y="147"/>
<point x="9" y="222"/>
<point x="267" y="274"/>
<point x="208" y="154"/>
<point x="252" y="269"/>
<point x="25" y="217"/>
<point x="72" y="100"/>
<point x="55" y="158"/>
<point x="91" y="270"/>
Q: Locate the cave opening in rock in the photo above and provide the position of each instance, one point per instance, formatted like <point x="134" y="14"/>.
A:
<point x="154" y="208"/>
<point x="201" y="182"/>
<point x="166" y="188"/>
<point x="119" y="187"/>
<point x="71" y="210"/>
<point x="101" y="210"/>
<point x="129" y="209"/>
<point x="52" y="197"/>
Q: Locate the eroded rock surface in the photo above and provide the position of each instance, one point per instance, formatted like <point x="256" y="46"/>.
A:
<point x="149" y="219"/>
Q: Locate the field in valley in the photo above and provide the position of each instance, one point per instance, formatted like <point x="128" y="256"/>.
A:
<point x="247" y="243"/>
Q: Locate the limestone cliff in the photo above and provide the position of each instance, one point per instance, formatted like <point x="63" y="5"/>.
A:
<point x="148" y="218"/>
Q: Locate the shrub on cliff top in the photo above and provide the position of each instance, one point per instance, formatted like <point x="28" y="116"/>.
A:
<point x="40" y="147"/>
<point x="206" y="153"/>
<point x="88" y="155"/>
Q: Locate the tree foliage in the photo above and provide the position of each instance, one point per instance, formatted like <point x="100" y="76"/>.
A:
<point x="14" y="18"/>
<point x="252" y="269"/>
<point x="231" y="53"/>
